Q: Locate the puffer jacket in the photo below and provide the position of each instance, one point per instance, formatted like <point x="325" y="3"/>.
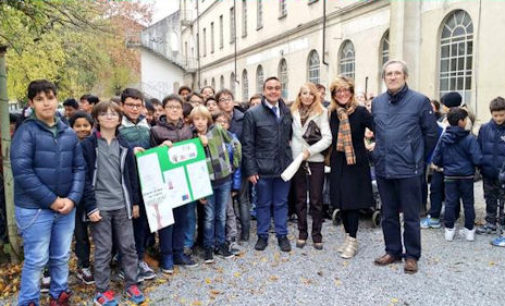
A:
<point x="492" y="144"/>
<point x="266" y="140"/>
<point x="457" y="152"/>
<point x="129" y="179"/>
<point x="168" y="131"/>
<point x="237" y="123"/>
<point x="405" y="132"/>
<point x="46" y="164"/>
<point x="136" y="134"/>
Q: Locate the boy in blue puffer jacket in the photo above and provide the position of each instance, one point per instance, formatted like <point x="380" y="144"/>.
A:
<point x="458" y="153"/>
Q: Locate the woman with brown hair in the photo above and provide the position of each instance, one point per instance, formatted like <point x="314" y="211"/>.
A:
<point x="311" y="135"/>
<point x="350" y="181"/>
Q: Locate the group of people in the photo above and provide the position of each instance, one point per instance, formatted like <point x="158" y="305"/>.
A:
<point x="78" y="171"/>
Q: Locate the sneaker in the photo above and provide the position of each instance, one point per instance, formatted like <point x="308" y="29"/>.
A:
<point x="234" y="248"/>
<point x="63" y="299"/>
<point x="135" y="295"/>
<point x="430" y="222"/>
<point x="45" y="284"/>
<point x="188" y="251"/>
<point x="167" y="270"/>
<point x="284" y="244"/>
<point x="499" y="242"/>
<point x="85" y="275"/>
<point x="449" y="233"/>
<point x="468" y="234"/>
<point x="117" y="275"/>
<point x="261" y="244"/>
<point x="224" y="252"/>
<point x="145" y="272"/>
<point x="105" y="298"/>
<point x="487" y="228"/>
<point x="185" y="261"/>
<point x="208" y="257"/>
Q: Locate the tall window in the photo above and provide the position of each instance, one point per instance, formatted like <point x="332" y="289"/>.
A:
<point x="283" y="76"/>
<point x="232" y="83"/>
<point x="456" y="55"/>
<point x="385" y="48"/>
<point x="204" y="42"/>
<point x="283" y="8"/>
<point x="245" y="86"/>
<point x="212" y="37"/>
<point x="221" y="34"/>
<point x="213" y="83"/>
<point x="205" y="82"/>
<point x="259" y="79"/>
<point x="232" y="24"/>
<point x="221" y="83"/>
<point x="244" y="18"/>
<point x="259" y="15"/>
<point x="347" y="59"/>
<point x="313" y="64"/>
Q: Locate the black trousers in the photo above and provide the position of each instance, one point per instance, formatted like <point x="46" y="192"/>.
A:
<point x="82" y="245"/>
<point x="350" y="220"/>
<point x="401" y="195"/>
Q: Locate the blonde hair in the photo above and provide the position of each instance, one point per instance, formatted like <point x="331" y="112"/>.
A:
<point x="316" y="107"/>
<point x="341" y="82"/>
<point x="201" y="111"/>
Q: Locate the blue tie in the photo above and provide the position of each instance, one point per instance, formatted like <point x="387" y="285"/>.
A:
<point x="274" y="109"/>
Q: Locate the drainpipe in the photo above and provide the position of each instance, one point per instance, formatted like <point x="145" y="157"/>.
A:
<point x="198" y="45"/>
<point x="235" y="43"/>
<point x="324" y="33"/>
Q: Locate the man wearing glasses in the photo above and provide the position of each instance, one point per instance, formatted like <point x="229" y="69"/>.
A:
<point x="266" y="151"/>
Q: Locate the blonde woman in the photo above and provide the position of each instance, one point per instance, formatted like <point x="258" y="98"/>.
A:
<point x="307" y="110"/>
<point x="350" y="181"/>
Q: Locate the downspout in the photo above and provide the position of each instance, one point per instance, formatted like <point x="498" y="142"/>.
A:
<point x="476" y="109"/>
<point x="198" y="45"/>
<point x="235" y="43"/>
<point x="324" y="33"/>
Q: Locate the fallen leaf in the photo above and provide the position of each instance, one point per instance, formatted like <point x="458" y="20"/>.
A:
<point x="274" y="278"/>
<point x="236" y="274"/>
<point x="208" y="280"/>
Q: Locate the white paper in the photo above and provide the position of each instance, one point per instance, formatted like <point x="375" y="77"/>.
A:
<point x="177" y="187"/>
<point x="292" y="168"/>
<point x="198" y="175"/>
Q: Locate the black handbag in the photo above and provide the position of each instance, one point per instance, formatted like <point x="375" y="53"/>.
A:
<point x="312" y="134"/>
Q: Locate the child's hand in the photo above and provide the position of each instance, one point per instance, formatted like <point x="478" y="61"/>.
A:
<point x="95" y="217"/>
<point x="57" y="204"/>
<point x="68" y="206"/>
<point x="234" y="193"/>
<point x="138" y="150"/>
<point x="167" y="143"/>
<point x="204" y="140"/>
<point x="203" y="201"/>
<point x="136" y="212"/>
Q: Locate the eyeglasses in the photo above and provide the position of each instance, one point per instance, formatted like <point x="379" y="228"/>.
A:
<point x="225" y="100"/>
<point x="173" y="107"/>
<point x="133" y="106"/>
<point x="224" y="121"/>
<point x="108" y="114"/>
<point x="342" y="91"/>
<point x="393" y="73"/>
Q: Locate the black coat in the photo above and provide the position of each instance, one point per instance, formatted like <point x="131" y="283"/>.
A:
<point x="351" y="185"/>
<point x="265" y="140"/>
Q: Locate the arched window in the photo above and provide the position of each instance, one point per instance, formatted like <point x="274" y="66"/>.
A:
<point x="221" y="83"/>
<point x="205" y="82"/>
<point x="232" y="83"/>
<point x="245" y="86"/>
<point x="213" y="83"/>
<point x="347" y="59"/>
<point x="283" y="76"/>
<point x="313" y="70"/>
<point x="384" y="49"/>
<point x="456" y="54"/>
<point x="259" y="79"/>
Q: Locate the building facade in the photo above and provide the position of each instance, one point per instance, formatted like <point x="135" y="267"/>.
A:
<point x="448" y="45"/>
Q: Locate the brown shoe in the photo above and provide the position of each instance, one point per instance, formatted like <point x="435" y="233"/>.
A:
<point x="386" y="259"/>
<point x="410" y="266"/>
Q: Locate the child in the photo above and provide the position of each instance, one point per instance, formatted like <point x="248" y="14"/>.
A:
<point x="111" y="201"/>
<point x="136" y="131"/>
<point x="235" y="151"/>
<point x="213" y="138"/>
<point x="458" y="153"/>
<point x="492" y="143"/>
<point x="82" y="124"/>
<point x="48" y="171"/>
<point x="171" y="129"/>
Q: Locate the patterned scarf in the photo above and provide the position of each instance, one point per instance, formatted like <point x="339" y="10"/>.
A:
<point x="344" y="138"/>
<point x="304" y="112"/>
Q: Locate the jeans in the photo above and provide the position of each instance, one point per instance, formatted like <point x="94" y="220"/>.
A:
<point x="231" y="221"/>
<point x="272" y="196"/>
<point x="47" y="236"/>
<point x="401" y="195"/>
<point x="82" y="245"/>
<point x="456" y="189"/>
<point x="189" y="232"/>
<point x="215" y="215"/>
<point x="436" y="194"/>
<point x="172" y="238"/>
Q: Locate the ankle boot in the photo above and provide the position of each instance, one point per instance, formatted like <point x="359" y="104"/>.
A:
<point x="344" y="245"/>
<point x="351" y="249"/>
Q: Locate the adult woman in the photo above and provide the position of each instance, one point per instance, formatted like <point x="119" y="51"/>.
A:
<point x="306" y="109"/>
<point x="350" y="182"/>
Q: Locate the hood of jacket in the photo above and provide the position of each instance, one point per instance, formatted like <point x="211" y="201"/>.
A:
<point x="453" y="134"/>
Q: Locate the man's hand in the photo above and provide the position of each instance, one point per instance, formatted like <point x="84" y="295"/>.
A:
<point x="95" y="217"/>
<point x="136" y="211"/>
<point x="254" y="179"/>
<point x="67" y="207"/>
<point x="57" y="204"/>
<point x="167" y="143"/>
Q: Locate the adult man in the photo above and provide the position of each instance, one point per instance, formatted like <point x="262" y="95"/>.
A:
<point x="226" y="103"/>
<point x="405" y="132"/>
<point x="266" y="135"/>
